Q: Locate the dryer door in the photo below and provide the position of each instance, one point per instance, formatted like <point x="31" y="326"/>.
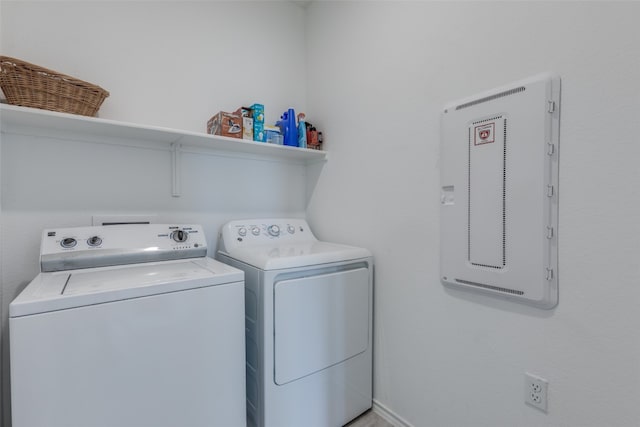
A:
<point x="319" y="321"/>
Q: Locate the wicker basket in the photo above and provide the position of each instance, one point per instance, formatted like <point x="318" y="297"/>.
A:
<point x="29" y="85"/>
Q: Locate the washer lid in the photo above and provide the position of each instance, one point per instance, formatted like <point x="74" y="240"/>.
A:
<point x="63" y="290"/>
<point x="302" y="254"/>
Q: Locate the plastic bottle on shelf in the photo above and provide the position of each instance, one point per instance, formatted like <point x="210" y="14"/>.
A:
<point x="302" y="131"/>
<point x="287" y="126"/>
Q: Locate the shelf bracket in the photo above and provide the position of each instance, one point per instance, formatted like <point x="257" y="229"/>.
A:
<point x="176" y="163"/>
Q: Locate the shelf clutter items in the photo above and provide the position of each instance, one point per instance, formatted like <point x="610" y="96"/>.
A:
<point x="30" y="85"/>
<point x="248" y="123"/>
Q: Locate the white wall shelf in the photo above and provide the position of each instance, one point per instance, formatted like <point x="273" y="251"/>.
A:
<point x="71" y="127"/>
<point x="36" y="122"/>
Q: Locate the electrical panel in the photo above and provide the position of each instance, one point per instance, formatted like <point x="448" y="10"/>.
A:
<point x="499" y="192"/>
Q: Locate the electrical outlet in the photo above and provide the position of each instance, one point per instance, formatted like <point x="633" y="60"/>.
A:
<point x="535" y="391"/>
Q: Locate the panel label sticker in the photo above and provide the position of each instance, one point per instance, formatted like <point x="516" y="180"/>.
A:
<point x="485" y="134"/>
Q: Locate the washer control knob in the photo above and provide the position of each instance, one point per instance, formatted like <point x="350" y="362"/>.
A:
<point x="255" y="230"/>
<point x="242" y="231"/>
<point x="94" y="241"/>
<point x="291" y="229"/>
<point x="274" y="230"/>
<point x="68" y="242"/>
<point x="180" y="236"/>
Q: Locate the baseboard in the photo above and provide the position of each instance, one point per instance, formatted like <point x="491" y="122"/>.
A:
<point x="389" y="415"/>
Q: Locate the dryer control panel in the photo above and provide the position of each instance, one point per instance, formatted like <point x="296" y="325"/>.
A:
<point x="243" y="233"/>
<point x="99" y="246"/>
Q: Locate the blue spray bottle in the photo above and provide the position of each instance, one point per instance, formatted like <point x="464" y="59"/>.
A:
<point x="287" y="126"/>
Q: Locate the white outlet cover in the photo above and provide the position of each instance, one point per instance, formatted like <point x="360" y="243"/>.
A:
<point x="536" y="391"/>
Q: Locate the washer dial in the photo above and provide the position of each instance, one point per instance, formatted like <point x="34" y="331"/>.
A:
<point x="94" y="241"/>
<point x="68" y="242"/>
<point x="180" y="236"/>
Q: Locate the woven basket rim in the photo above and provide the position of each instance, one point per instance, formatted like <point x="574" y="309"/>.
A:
<point x="14" y="62"/>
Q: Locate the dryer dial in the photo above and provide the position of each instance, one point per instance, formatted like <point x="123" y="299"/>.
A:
<point x="274" y="230"/>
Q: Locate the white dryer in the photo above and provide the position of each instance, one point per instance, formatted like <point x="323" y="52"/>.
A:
<point x="308" y="308"/>
<point x="128" y="326"/>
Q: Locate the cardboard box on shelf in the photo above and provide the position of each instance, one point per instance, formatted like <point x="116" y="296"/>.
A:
<point x="243" y="111"/>
<point x="257" y="111"/>
<point x="225" y="124"/>
<point x="258" y="131"/>
<point x="272" y="134"/>
<point x="247" y="128"/>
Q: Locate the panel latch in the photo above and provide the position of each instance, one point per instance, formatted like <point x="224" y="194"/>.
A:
<point x="549" y="190"/>
<point x="551" y="106"/>
<point x="549" y="274"/>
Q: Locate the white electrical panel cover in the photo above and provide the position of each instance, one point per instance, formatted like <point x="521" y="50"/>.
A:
<point x="499" y="192"/>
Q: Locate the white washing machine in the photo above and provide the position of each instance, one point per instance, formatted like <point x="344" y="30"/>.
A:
<point x="128" y="326"/>
<point x="308" y="308"/>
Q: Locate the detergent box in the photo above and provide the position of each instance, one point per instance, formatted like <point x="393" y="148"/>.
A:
<point x="247" y="128"/>
<point x="258" y="131"/>
<point x="272" y="134"/>
<point x="258" y="113"/>
<point x="225" y="124"/>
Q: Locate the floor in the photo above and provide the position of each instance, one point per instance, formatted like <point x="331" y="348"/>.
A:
<point x="369" y="419"/>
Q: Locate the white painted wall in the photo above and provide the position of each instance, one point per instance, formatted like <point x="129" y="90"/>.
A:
<point x="169" y="64"/>
<point x="379" y="74"/>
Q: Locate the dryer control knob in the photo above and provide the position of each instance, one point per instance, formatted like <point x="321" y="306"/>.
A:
<point x="242" y="231"/>
<point x="291" y="229"/>
<point x="180" y="236"/>
<point x="255" y="230"/>
<point x="274" y="230"/>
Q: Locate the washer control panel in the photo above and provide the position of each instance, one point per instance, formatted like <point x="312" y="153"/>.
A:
<point x="265" y="231"/>
<point x="86" y="247"/>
